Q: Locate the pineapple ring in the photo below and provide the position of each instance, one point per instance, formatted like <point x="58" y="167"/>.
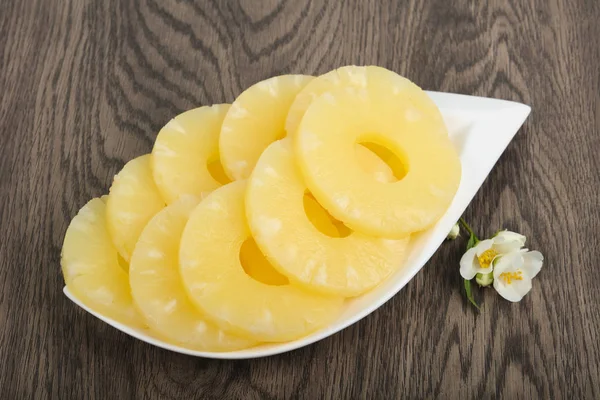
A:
<point x="183" y="151"/>
<point x="255" y="120"/>
<point x="346" y="266"/>
<point x="91" y="268"/>
<point x="133" y="200"/>
<point x="377" y="78"/>
<point x="255" y="263"/>
<point x="216" y="283"/>
<point x="157" y="289"/>
<point x="323" y="146"/>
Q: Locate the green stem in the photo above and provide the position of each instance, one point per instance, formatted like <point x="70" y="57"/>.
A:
<point x="467" y="227"/>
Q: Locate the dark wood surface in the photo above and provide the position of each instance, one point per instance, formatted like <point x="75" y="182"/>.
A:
<point x="85" y="86"/>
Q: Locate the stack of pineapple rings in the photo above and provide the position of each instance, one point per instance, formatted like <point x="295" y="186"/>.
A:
<point x="253" y="222"/>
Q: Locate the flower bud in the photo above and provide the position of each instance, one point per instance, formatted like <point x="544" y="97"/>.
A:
<point x="485" y="279"/>
<point x="454" y="232"/>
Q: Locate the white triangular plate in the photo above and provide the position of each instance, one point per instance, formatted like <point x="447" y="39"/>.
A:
<point x="481" y="128"/>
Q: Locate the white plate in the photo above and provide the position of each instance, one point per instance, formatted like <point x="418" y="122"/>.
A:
<point x="481" y="128"/>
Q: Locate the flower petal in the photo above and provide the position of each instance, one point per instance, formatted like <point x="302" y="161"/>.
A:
<point x="507" y="241"/>
<point x="532" y="263"/>
<point x="483" y="246"/>
<point x="522" y="287"/>
<point x="507" y="263"/>
<point x="505" y="291"/>
<point x="509" y="236"/>
<point x="469" y="264"/>
<point x="513" y="292"/>
<point x="484" y="270"/>
<point x="514" y="262"/>
<point x="503" y="246"/>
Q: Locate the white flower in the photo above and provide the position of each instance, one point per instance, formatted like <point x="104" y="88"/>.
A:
<point x="454" y="232"/>
<point x="507" y="241"/>
<point x="479" y="259"/>
<point x="514" y="271"/>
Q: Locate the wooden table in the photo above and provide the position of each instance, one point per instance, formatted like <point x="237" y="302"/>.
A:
<point x="85" y="86"/>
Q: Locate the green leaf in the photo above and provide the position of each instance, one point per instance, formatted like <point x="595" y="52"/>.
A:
<point x="472" y="241"/>
<point x="470" y="294"/>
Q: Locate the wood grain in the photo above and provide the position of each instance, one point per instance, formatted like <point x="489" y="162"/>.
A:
<point x="87" y="84"/>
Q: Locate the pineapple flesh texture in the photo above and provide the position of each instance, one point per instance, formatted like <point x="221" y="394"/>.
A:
<point x="388" y="112"/>
<point x="257" y="266"/>
<point x="91" y="268"/>
<point x="184" y="151"/>
<point x="255" y="120"/>
<point x="217" y="284"/>
<point x="353" y="76"/>
<point x="347" y="266"/>
<point x="133" y="200"/>
<point x="157" y="289"/>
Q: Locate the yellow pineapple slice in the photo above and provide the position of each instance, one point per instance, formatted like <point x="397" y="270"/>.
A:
<point x="157" y="289"/>
<point x="377" y="78"/>
<point x="258" y="267"/>
<point x="346" y="266"/>
<point x="133" y="200"/>
<point x="185" y="152"/>
<point x="339" y="119"/>
<point x="373" y="165"/>
<point x="217" y="284"/>
<point x="91" y="267"/>
<point x="255" y="120"/>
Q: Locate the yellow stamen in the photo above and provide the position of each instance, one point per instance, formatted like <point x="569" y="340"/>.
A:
<point x="486" y="258"/>
<point x="508" y="277"/>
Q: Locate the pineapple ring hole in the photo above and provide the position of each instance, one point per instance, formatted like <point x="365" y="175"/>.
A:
<point x="397" y="163"/>
<point x="122" y="263"/>
<point x="280" y="135"/>
<point x="257" y="267"/>
<point x="215" y="169"/>
<point x="321" y="216"/>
